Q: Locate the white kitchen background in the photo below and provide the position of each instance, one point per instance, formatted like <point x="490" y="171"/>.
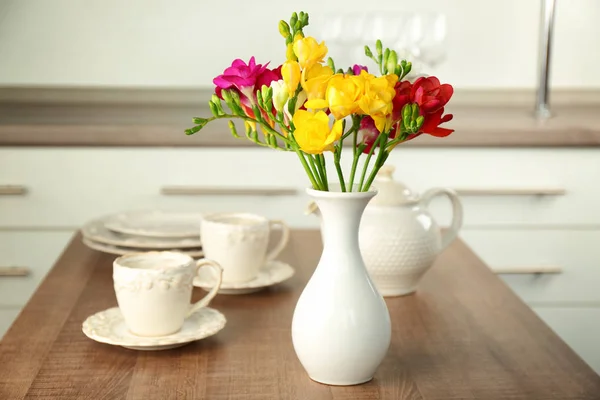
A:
<point x="185" y="43"/>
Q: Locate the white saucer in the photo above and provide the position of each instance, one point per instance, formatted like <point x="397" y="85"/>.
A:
<point x="272" y="273"/>
<point x="96" y="231"/>
<point x="109" y="327"/>
<point x="121" y="251"/>
<point x="155" y="223"/>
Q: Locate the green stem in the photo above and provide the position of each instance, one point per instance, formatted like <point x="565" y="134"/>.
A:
<point x="313" y="181"/>
<point x="354" y="162"/>
<point x="266" y="126"/>
<point x="366" y="166"/>
<point x="378" y="162"/>
<point x="321" y="161"/>
<point x="337" y="155"/>
<point x="316" y="174"/>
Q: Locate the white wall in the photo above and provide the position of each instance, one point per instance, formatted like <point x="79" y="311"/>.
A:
<point x="183" y="43"/>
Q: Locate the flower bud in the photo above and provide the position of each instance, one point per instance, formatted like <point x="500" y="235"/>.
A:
<point x="368" y="52"/>
<point x="330" y="63"/>
<point x="233" y="129"/>
<point x="384" y="62"/>
<point x="293" y="20"/>
<point x="304" y="19"/>
<point x="213" y="109"/>
<point x="267" y="93"/>
<point x="415" y="112"/>
<point x="392" y="61"/>
<point x="200" y="121"/>
<point x="284" y="29"/>
<point x="217" y="102"/>
<point x="379" y="47"/>
<point x="406" y="114"/>
<point x="420" y="119"/>
<point x="259" y="99"/>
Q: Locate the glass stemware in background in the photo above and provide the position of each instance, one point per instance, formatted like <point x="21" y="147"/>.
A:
<point x="417" y="37"/>
<point x="426" y="34"/>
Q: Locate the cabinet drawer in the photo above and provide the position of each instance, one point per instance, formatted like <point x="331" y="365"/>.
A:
<point x="575" y="253"/>
<point x="36" y="251"/>
<point x="67" y="187"/>
<point x="578" y="327"/>
<point x="498" y="183"/>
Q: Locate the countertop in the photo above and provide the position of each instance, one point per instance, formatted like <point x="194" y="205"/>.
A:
<point x="158" y="117"/>
<point x="464" y="335"/>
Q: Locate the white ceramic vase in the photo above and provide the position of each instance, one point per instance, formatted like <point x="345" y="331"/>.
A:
<point x="341" y="326"/>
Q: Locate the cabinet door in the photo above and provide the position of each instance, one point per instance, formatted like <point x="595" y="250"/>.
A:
<point x="31" y="255"/>
<point x="80" y="184"/>
<point x="7" y="317"/>
<point x="578" y="327"/>
<point x="567" y="262"/>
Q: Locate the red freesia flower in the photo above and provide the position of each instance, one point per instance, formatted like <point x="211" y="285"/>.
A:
<point x="402" y="98"/>
<point x="431" y="96"/>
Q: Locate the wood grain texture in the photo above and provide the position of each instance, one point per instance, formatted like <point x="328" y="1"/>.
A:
<point x="153" y="117"/>
<point x="463" y="335"/>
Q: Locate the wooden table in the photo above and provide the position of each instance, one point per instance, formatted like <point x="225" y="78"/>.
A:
<point x="464" y="335"/>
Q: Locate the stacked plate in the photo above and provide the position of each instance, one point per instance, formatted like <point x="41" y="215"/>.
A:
<point x="137" y="231"/>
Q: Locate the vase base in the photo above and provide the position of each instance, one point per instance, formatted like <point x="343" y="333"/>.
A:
<point x="341" y="383"/>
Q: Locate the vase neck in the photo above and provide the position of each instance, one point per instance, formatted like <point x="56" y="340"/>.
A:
<point x="341" y="214"/>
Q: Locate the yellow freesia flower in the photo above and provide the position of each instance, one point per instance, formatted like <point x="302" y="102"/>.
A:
<point x="314" y="80"/>
<point x="341" y="96"/>
<point x="290" y="72"/>
<point x="377" y="98"/>
<point x="309" y="51"/>
<point x="312" y="131"/>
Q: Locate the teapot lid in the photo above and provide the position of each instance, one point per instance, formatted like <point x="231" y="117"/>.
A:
<point x="391" y="192"/>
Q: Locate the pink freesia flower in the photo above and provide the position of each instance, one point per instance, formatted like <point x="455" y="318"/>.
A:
<point x="246" y="79"/>
<point x="357" y="68"/>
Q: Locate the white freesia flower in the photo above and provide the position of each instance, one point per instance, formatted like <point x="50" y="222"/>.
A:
<point x="280" y="94"/>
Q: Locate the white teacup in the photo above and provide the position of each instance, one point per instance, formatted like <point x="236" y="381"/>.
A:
<point x="238" y="242"/>
<point x="154" y="290"/>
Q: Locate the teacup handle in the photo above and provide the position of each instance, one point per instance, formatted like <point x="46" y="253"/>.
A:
<point x="457" y="212"/>
<point x="213" y="292"/>
<point x="285" y="237"/>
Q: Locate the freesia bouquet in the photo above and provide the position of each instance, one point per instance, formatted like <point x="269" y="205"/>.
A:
<point x="309" y="107"/>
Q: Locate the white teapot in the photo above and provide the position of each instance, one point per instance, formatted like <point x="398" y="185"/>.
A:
<point x="399" y="240"/>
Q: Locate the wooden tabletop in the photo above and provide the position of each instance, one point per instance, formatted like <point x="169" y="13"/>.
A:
<point x="463" y="335"/>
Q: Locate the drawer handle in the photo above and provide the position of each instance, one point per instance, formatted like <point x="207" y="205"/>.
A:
<point x="526" y="270"/>
<point x="223" y="191"/>
<point x="12" y="190"/>
<point x="557" y="191"/>
<point x="14" y="271"/>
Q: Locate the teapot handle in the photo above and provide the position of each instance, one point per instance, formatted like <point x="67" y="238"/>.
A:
<point x="457" y="212"/>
